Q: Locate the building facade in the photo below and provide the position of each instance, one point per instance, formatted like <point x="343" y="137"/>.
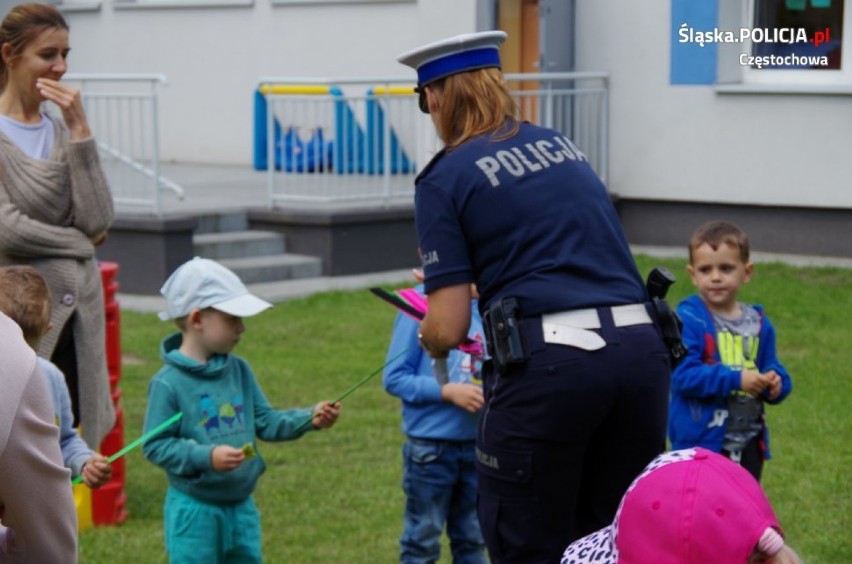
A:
<point x="696" y="130"/>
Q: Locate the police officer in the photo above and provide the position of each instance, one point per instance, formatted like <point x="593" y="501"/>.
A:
<point x="576" y="393"/>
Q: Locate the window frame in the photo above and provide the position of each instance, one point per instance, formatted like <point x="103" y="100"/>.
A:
<point x="804" y="76"/>
<point x="732" y="77"/>
<point x="78" y="5"/>
<point x="165" y="4"/>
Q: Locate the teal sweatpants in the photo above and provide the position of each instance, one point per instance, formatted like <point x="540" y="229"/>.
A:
<point x="209" y="533"/>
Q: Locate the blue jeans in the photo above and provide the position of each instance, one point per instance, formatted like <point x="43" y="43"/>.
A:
<point x="439" y="480"/>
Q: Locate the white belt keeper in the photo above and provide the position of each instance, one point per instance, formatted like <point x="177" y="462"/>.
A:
<point x="571" y="328"/>
<point x="633" y="314"/>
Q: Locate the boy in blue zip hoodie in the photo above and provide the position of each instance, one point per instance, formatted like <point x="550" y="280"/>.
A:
<point x="209" y="454"/>
<point x="438" y="456"/>
<point x="731" y="369"/>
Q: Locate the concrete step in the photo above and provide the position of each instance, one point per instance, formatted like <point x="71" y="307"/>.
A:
<point x="235" y="244"/>
<point x="221" y="222"/>
<point x="253" y="270"/>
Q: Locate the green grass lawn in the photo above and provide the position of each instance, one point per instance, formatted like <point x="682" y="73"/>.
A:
<point x="335" y="496"/>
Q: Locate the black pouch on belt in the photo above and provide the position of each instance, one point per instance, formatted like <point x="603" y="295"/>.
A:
<point x="658" y="284"/>
<point x="502" y="324"/>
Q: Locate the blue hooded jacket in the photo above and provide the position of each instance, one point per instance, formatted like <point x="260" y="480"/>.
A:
<point x="701" y="384"/>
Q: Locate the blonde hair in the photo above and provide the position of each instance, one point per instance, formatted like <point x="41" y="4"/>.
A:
<point x="474" y="103"/>
<point x="22" y="25"/>
<point x="717" y="233"/>
<point x="25" y="298"/>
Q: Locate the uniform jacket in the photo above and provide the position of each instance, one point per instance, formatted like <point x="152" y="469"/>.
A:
<point x="525" y="217"/>
<point x="701" y="384"/>
<point x="222" y="404"/>
<point x="49" y="211"/>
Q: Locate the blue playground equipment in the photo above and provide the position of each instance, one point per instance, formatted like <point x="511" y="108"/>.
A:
<point x="350" y="151"/>
<point x="294" y="154"/>
<point x="291" y="152"/>
<point x="349" y="137"/>
<point x="399" y="161"/>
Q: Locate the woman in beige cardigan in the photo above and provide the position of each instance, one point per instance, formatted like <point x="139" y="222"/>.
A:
<point x="55" y="204"/>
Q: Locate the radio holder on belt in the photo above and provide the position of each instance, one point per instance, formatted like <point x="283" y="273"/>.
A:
<point x="659" y="281"/>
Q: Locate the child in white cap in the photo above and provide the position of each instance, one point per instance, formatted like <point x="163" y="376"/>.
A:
<point x="209" y="454"/>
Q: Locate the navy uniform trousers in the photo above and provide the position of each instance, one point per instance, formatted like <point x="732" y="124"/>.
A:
<point x="564" y="434"/>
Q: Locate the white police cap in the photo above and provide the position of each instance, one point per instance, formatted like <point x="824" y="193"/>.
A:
<point x="453" y="55"/>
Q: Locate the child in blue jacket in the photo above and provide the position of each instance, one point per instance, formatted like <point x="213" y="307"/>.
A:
<point x="731" y="368"/>
<point x="25" y="298"/>
<point x="440" y="424"/>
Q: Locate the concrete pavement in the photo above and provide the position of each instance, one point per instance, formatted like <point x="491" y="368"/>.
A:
<point x="275" y="292"/>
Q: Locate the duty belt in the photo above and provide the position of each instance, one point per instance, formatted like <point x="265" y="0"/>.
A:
<point x="512" y="337"/>
<point x="572" y="327"/>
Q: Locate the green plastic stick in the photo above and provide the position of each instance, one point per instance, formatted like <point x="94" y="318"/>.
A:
<point x="357" y="385"/>
<point x="155" y="431"/>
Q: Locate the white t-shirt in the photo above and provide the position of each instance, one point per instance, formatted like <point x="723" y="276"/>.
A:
<point x="36" y="140"/>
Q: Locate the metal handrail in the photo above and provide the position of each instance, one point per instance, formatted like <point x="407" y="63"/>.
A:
<point x="561" y="100"/>
<point x="119" y="154"/>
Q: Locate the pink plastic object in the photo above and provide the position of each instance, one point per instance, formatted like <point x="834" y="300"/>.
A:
<point x="419" y="302"/>
<point x="415" y="299"/>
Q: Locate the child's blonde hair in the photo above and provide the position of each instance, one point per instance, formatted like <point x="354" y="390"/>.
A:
<point x="25" y="298"/>
<point x="717" y="233"/>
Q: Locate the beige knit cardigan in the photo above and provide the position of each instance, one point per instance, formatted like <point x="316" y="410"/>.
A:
<point x="49" y="211"/>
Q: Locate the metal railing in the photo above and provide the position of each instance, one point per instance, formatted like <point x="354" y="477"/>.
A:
<point x="575" y="104"/>
<point x="326" y="140"/>
<point x="123" y="116"/>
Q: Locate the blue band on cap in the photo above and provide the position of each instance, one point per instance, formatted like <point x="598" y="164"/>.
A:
<point x="458" y="62"/>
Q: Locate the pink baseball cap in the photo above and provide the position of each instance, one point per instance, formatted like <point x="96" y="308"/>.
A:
<point x="687" y="506"/>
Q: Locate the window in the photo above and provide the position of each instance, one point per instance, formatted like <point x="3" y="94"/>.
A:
<point x="821" y="21"/>
<point x="805" y="42"/>
<point x="91" y="5"/>
<point x="78" y="5"/>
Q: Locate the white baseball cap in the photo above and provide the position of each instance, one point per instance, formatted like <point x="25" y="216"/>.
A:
<point x="201" y="283"/>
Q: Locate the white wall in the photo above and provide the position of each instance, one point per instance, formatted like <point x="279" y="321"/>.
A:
<point x="689" y="143"/>
<point x="682" y="143"/>
<point x="213" y="57"/>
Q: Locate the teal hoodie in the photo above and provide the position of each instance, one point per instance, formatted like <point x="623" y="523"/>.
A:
<point x="222" y="404"/>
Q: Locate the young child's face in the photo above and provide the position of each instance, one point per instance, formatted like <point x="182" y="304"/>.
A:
<point x="219" y="332"/>
<point x="718" y="275"/>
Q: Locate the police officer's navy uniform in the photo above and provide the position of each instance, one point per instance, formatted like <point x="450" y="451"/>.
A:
<point x="563" y="433"/>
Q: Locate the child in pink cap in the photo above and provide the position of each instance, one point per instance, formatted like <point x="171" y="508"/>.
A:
<point x="688" y="506"/>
